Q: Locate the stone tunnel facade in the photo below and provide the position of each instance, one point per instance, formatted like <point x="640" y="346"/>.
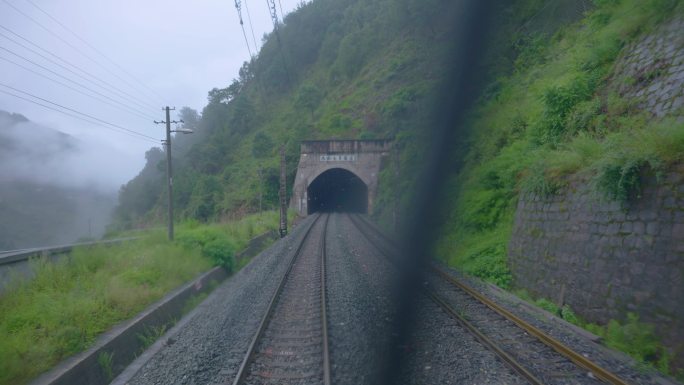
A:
<point x="324" y="160"/>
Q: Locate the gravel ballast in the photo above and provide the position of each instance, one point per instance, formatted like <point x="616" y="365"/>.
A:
<point x="209" y="347"/>
<point x="209" y="344"/>
<point x="440" y="351"/>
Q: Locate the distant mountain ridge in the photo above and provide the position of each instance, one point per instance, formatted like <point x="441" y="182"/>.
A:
<point x="41" y="202"/>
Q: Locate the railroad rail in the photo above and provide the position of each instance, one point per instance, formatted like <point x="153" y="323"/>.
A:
<point x="291" y="342"/>
<point x="487" y="328"/>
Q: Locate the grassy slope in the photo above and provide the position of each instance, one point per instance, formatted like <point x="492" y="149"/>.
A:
<point x="374" y="71"/>
<point x="548" y="120"/>
<point x="71" y="302"/>
<point x="556" y="116"/>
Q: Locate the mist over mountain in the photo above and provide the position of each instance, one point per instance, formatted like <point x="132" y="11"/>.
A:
<point x="54" y="188"/>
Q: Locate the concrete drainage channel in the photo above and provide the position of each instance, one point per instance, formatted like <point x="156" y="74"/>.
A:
<point x="115" y="350"/>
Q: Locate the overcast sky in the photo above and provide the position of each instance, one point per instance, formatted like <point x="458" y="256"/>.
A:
<point x="177" y="51"/>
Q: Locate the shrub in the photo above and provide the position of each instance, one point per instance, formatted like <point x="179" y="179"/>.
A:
<point x="197" y="237"/>
<point x="531" y="50"/>
<point x="569" y="315"/>
<point x="489" y="264"/>
<point x="634" y="338"/>
<point x="221" y="251"/>
<point x="548" y="306"/>
<point x="560" y="101"/>
<point x="621" y="182"/>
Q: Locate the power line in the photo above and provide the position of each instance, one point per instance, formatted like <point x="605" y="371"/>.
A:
<point x="274" y="17"/>
<point x="80" y="113"/>
<point x="97" y="50"/>
<point x="61" y="83"/>
<point x="238" y="7"/>
<point x="89" y="119"/>
<point x="60" y="38"/>
<point x="251" y="27"/>
<point x="282" y="14"/>
<point x="119" y="92"/>
<point x="125" y="107"/>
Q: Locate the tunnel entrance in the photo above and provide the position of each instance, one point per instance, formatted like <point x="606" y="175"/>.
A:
<point x="337" y="190"/>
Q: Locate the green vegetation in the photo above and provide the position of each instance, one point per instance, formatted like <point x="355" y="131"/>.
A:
<point x="555" y="115"/>
<point x="346" y="69"/>
<point x="106" y="362"/>
<point x="152" y="333"/>
<point x="72" y="301"/>
<point x="633" y="337"/>
<point x="371" y="68"/>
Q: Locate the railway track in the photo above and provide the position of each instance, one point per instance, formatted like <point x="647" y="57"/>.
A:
<point x="291" y="343"/>
<point x="527" y="350"/>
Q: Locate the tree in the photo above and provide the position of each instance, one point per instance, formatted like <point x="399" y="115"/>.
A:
<point x="261" y="145"/>
<point x="190" y="117"/>
<point x="246" y="73"/>
<point x="225" y="95"/>
<point x="308" y="97"/>
<point x="242" y="114"/>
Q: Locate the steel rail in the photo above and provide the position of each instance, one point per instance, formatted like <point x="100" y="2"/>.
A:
<point x="249" y="355"/>
<point x="324" y="316"/>
<point x="556" y="345"/>
<point x="436" y="298"/>
<point x="508" y="359"/>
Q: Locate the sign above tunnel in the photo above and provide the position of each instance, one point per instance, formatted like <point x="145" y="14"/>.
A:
<point x="338" y="158"/>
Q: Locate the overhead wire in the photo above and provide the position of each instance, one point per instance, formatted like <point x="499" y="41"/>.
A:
<point x="238" y="7"/>
<point x="251" y="27"/>
<point x="150" y="89"/>
<point x="88" y="118"/>
<point x="60" y="38"/>
<point x="282" y="14"/>
<point x="123" y="107"/>
<point x="114" y="90"/>
<point x="274" y="18"/>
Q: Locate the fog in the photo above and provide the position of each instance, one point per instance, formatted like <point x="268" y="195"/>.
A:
<point x="32" y="152"/>
<point x="54" y="188"/>
<point x="159" y="52"/>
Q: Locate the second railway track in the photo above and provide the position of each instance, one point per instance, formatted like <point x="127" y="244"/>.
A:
<point x="291" y="344"/>
<point x="530" y="352"/>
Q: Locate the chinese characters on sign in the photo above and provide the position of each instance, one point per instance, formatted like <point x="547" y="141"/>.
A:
<point x="338" y="158"/>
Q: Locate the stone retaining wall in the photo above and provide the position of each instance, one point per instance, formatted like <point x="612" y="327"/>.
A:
<point x="653" y="67"/>
<point x="605" y="260"/>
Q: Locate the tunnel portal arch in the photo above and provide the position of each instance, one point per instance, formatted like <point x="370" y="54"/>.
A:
<point x="361" y="158"/>
<point x="337" y="189"/>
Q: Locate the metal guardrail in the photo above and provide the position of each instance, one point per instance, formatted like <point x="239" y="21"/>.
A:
<point x="14" y="256"/>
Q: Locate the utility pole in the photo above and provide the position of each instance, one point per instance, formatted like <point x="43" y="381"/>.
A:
<point x="260" y="187"/>
<point x="169" y="169"/>
<point x="283" y="194"/>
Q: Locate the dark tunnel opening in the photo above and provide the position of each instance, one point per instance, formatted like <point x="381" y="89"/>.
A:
<point x="337" y="190"/>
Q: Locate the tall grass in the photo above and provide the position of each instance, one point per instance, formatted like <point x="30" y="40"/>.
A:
<point x="72" y="301"/>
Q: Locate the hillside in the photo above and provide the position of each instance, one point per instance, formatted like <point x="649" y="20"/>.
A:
<point x="562" y="111"/>
<point x="336" y="69"/>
